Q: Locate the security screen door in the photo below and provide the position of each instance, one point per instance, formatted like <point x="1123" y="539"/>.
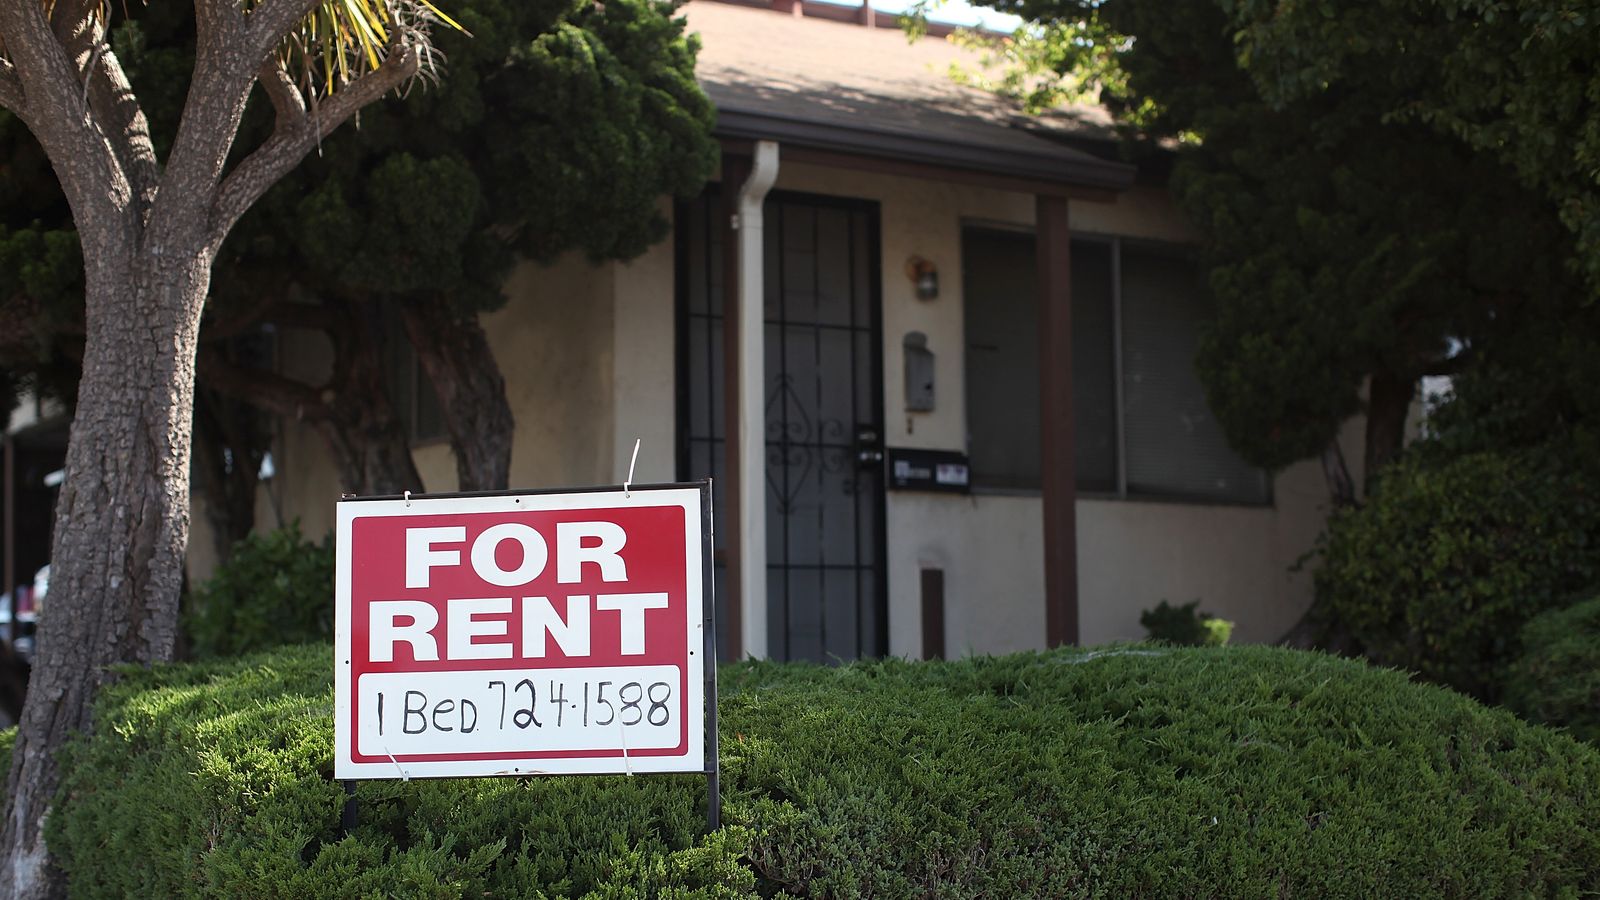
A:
<point x="826" y="592"/>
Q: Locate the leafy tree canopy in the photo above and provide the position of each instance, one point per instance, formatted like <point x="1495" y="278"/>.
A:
<point x="559" y="127"/>
<point x="1514" y="78"/>
<point x="1352" y="243"/>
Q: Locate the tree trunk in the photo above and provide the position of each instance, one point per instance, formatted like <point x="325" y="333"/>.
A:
<point x="122" y="522"/>
<point x="1341" y="489"/>
<point x="370" y="452"/>
<point x="228" y="446"/>
<point x="365" y="434"/>
<point x="455" y="353"/>
<point x="1388" y="404"/>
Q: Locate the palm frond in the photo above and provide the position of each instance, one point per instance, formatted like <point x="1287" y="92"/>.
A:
<point x="339" y="40"/>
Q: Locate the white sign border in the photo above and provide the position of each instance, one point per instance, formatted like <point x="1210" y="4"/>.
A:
<point x="688" y="498"/>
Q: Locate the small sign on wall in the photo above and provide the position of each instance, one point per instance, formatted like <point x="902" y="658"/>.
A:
<point x="945" y="471"/>
<point x="524" y="633"/>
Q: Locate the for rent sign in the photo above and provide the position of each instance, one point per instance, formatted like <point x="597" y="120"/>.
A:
<point x="522" y="634"/>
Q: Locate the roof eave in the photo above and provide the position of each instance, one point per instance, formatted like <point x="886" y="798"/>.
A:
<point x="1078" y="170"/>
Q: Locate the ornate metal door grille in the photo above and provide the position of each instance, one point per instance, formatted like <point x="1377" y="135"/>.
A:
<point x="826" y="589"/>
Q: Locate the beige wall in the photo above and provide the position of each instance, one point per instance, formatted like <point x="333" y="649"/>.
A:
<point x="644" y="345"/>
<point x="1132" y="554"/>
<point x="553" y="343"/>
<point x="555" y="346"/>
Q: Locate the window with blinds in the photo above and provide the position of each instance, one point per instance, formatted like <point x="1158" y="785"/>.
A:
<point x="1143" y="428"/>
<point x="1174" y="446"/>
<point x="410" y="389"/>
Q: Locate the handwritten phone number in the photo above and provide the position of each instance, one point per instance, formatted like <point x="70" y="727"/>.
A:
<point x="523" y="702"/>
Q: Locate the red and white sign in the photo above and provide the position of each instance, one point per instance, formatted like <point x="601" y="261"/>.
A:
<point x="521" y="634"/>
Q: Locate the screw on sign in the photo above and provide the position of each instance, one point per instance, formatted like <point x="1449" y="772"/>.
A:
<point x="525" y="633"/>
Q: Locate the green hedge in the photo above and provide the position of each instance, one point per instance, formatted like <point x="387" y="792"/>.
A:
<point x="275" y="588"/>
<point x="1185" y="626"/>
<point x="1239" y="772"/>
<point x="1440" y="570"/>
<point x="1557" y="678"/>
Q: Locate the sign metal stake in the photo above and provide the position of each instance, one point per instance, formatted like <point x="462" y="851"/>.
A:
<point x="713" y="755"/>
<point x="350" y="817"/>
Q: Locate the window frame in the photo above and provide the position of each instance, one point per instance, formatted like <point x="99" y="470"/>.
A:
<point x="398" y="353"/>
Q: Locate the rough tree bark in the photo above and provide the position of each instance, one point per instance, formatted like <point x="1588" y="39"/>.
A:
<point x="455" y="353"/>
<point x="121" y="526"/>
<point x="149" y="234"/>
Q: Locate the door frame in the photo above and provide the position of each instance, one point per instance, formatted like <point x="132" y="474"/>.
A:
<point x="711" y="196"/>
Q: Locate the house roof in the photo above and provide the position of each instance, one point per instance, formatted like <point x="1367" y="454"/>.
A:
<point x="841" y="87"/>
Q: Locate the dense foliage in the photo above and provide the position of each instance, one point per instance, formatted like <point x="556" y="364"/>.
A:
<point x="1130" y="771"/>
<point x="1185" y="626"/>
<point x="1513" y="78"/>
<point x="275" y="588"/>
<point x="1556" y="680"/>
<point x="559" y="127"/>
<point x="1355" y="241"/>
<point x="1452" y="555"/>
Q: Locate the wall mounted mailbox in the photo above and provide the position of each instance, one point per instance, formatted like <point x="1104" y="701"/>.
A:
<point x="919" y="372"/>
<point x="944" y="471"/>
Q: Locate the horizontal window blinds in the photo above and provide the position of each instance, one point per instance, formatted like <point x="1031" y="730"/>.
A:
<point x="1174" y="445"/>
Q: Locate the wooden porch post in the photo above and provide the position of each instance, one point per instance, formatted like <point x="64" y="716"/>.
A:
<point x="1057" y="454"/>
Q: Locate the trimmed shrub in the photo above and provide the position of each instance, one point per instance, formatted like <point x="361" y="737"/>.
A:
<point x="1557" y="678"/>
<point x="276" y="588"/>
<point x="1185" y="626"/>
<point x="1137" y="771"/>
<point x="1440" y="570"/>
<point x="215" y="780"/>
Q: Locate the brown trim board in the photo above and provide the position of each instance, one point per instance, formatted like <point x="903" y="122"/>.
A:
<point x="929" y="172"/>
<point x="933" y="614"/>
<point x="1057" y="462"/>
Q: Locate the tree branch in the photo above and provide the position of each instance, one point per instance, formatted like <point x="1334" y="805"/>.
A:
<point x="311" y="316"/>
<point x="72" y="22"/>
<point x="269" y="306"/>
<point x="267" y="390"/>
<point x="1341" y="488"/>
<point x="11" y="89"/>
<point x="80" y="29"/>
<point x="288" y="104"/>
<point x="114" y="103"/>
<point x="217" y="327"/>
<point x="55" y="110"/>
<point x="219" y="20"/>
<point x="296" y="135"/>
<point x="270" y="21"/>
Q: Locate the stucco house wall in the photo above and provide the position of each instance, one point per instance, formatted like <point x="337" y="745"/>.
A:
<point x="588" y="353"/>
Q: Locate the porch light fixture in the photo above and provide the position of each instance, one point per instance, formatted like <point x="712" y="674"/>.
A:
<point x="925" y="275"/>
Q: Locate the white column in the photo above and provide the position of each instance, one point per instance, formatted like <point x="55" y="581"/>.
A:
<point x="752" y="446"/>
